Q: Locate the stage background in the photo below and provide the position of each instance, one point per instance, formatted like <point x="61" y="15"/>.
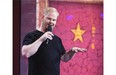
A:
<point x="90" y="19"/>
<point x="28" y="24"/>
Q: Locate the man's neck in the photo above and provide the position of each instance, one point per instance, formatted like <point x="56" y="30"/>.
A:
<point x="41" y="29"/>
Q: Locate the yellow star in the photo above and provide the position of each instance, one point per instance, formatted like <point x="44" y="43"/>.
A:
<point x="78" y="33"/>
<point x="92" y="46"/>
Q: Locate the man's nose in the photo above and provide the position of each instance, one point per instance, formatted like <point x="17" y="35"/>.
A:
<point x="50" y="21"/>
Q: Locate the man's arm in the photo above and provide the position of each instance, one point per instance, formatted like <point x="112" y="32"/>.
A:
<point x="29" y="50"/>
<point x="68" y="55"/>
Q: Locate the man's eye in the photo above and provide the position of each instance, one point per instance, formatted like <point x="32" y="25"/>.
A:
<point x="54" y="20"/>
<point x="48" y="18"/>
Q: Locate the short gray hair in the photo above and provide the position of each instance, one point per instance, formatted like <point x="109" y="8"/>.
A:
<point x="50" y="9"/>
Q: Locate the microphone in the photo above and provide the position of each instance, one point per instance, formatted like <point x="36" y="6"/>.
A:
<point x="48" y="29"/>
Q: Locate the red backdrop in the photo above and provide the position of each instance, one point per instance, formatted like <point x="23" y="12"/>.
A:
<point x="90" y="19"/>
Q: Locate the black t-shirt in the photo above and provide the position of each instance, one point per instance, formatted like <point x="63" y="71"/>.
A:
<point x="46" y="61"/>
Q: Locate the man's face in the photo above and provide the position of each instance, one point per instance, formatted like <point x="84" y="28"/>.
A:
<point x="50" y="19"/>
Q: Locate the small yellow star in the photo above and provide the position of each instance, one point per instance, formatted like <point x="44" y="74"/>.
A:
<point x="92" y="46"/>
<point x="78" y="33"/>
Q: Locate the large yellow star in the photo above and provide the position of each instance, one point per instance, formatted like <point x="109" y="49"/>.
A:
<point x="78" y="33"/>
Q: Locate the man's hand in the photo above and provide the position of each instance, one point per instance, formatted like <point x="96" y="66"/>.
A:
<point x="46" y="35"/>
<point x="68" y="55"/>
<point x="78" y="49"/>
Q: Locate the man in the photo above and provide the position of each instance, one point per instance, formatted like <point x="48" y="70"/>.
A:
<point x="43" y="49"/>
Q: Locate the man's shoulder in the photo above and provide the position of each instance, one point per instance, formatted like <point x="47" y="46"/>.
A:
<point x="33" y="35"/>
<point x="34" y="32"/>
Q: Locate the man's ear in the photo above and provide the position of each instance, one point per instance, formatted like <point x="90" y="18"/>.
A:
<point x="42" y="17"/>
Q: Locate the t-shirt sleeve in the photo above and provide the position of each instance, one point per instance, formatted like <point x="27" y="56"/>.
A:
<point x="28" y="39"/>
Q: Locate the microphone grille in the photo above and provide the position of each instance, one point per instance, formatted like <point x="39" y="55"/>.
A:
<point x="49" y="28"/>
